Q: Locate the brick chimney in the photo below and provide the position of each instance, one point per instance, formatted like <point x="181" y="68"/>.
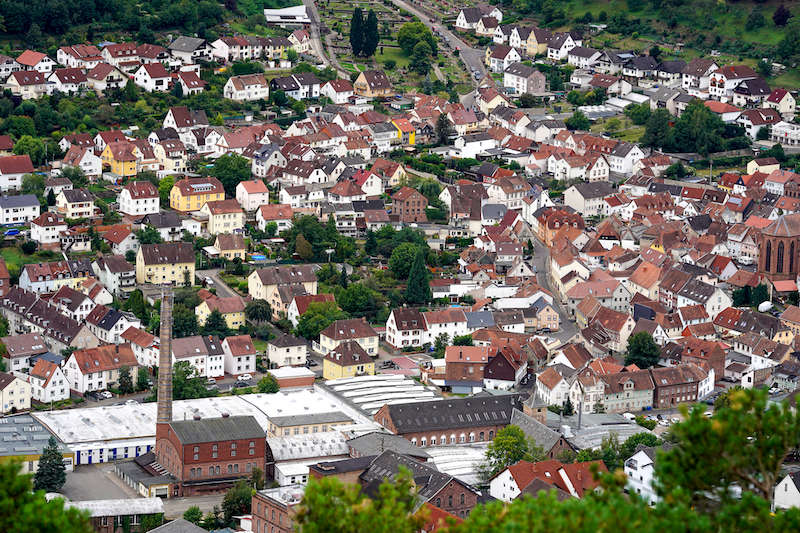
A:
<point x="165" y="359"/>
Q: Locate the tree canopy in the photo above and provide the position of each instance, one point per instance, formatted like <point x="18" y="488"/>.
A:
<point x="642" y="350"/>
<point x="318" y="316"/>
<point x="509" y="447"/>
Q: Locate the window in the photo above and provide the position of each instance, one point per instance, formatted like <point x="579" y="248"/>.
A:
<point x="450" y="501"/>
<point x="462" y="498"/>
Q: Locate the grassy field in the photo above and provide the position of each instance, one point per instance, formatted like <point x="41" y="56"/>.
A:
<point x="395" y="54"/>
<point x="16" y="258"/>
<point x="626" y="131"/>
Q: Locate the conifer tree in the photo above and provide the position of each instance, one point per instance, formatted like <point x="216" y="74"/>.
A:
<point x="418" y="290"/>
<point x="371" y="35"/>
<point x="357" y="31"/>
<point x="51" y="475"/>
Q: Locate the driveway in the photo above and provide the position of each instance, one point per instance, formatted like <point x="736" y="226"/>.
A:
<point x="95" y="482"/>
<point x="471" y="57"/>
<point x="223" y="291"/>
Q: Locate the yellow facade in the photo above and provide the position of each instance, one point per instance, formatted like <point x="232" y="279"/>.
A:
<point x="330" y="370"/>
<point x="125" y="169"/>
<point x="370" y="344"/>
<point x="168" y="273"/>
<point x="233" y="320"/>
<point x="224" y="222"/>
<point x="411" y="136"/>
<point x="193" y="202"/>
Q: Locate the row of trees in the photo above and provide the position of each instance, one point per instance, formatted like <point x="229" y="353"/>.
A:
<point x="364" y="34"/>
<point x="419" y="44"/>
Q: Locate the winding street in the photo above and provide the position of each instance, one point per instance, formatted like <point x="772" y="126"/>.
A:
<point x="541" y="257"/>
<point x="316" y="41"/>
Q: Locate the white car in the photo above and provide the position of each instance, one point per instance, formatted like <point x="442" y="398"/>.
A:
<point x="245" y="377"/>
<point x="629" y="416"/>
<point x="106" y="394"/>
<point x="131" y="402"/>
<point x="675" y="420"/>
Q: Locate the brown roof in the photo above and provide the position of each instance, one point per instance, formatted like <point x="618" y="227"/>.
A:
<point x="26" y="344"/>
<point x="376" y="79"/>
<point x="233" y="304"/>
<point x="791" y="314"/>
<point x="304" y="300"/>
<point x="44" y="370"/>
<point x="405" y="193"/>
<point x="611" y="320"/>
<point x="15" y="164"/>
<point x="228" y="241"/>
<point x="276" y="211"/>
<point x="549" y="378"/>
<point x="240" y="345"/>
<point x="30" y="58"/>
<point x="348" y="353"/>
<point x="646" y="275"/>
<point x="106" y="357"/>
<point x="139" y="337"/>
<point x="167" y="253"/>
<point x="353" y="328"/>
<point x="346" y="188"/>
<point x="141" y="189"/>
<point x="616" y="382"/>
<point x="242" y="82"/>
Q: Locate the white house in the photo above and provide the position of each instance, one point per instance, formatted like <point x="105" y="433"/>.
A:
<point x="19" y="209"/>
<point x="145" y="346"/>
<point x="280" y="214"/>
<point x="67" y="81"/>
<point x="588" y="199"/>
<point x="47" y="227"/>
<point x="640" y="470"/>
<point x="560" y="45"/>
<point x="287" y="350"/>
<point x="83" y="158"/>
<point x="239" y="355"/>
<point x="339" y="91"/>
<point x="48" y="382"/>
<point x="252" y="194"/>
<point x="152" y="77"/>
<point x="787" y="492"/>
<point x="139" y="198"/>
<point x="97" y="368"/>
<point x="246" y="88"/>
<point x="500" y="57"/>
<point x="15" y="393"/>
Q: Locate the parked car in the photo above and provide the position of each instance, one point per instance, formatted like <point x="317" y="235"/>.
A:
<point x="131" y="402"/>
<point x="245" y="377"/>
<point x="240" y="383"/>
<point x="211" y="381"/>
<point x="629" y="416"/>
<point x="106" y="395"/>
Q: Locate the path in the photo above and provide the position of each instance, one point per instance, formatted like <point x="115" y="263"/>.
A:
<point x="541" y="261"/>
<point x="223" y="291"/>
<point x="328" y="59"/>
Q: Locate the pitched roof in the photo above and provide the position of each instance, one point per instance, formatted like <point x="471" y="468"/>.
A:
<point x="217" y="429"/>
<point x="353" y="328"/>
<point x="452" y="413"/>
<point x="167" y="253"/>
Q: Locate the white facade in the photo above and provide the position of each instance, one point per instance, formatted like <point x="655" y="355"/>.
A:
<point x="137" y="206"/>
<point x="281" y="356"/>
<point x="16" y="211"/>
<point x="787" y="494"/>
<point x="16" y="396"/>
<point x="640" y="470"/>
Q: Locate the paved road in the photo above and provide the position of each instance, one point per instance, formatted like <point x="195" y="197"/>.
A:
<point x="175" y="507"/>
<point x="541" y="261"/>
<point x="471" y="57"/>
<point x="95" y="482"/>
<point x="316" y="40"/>
<point x="223" y="291"/>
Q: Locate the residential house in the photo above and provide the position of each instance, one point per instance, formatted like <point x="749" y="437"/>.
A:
<point x="152" y="77"/>
<point x="27" y="84"/>
<point x="246" y="88"/>
<point x="19" y="210"/>
<point x="373" y="84"/>
<point x="231" y="308"/>
<point x="191" y="194"/>
<point x="12" y="168"/>
<point x="139" y="198"/>
<point x="409" y="205"/>
<point x="115" y="273"/>
<point x="224" y="216"/>
<point x="98" y="368"/>
<point x="240" y="355"/>
<point x="83" y="158"/>
<point x="287" y="350"/>
<point x="500" y="56"/>
<point x="67" y="81"/>
<point x="346" y="360"/>
<point x="353" y="329"/>
<point x="172" y="262"/>
<point x="46" y="229"/>
<point x="15" y="394"/>
<point x="105" y="76"/>
<point x="523" y="79"/>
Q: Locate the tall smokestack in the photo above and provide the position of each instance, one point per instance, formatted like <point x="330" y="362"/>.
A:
<point x="165" y="359"/>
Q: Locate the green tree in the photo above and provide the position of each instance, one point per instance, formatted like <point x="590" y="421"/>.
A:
<point x="237" y="500"/>
<point x="231" y="169"/>
<point x="330" y="506"/>
<point x="291" y="55"/>
<point x="271" y="229"/>
<point x="744" y="443"/>
<point x="303" y="247"/>
<point x="318" y="316"/>
<point x="164" y="188"/>
<point x="760" y="294"/>
<point x="186" y="385"/>
<point x="32" y="147"/>
<point x="24" y="511"/>
<point x="371" y="243"/>
<point x="418" y="289"/>
<point x="51" y="474"/>
<point x="628" y="447"/>
<point x="142" y="379"/>
<point x="781" y="16"/>
<point x="184" y="322"/>
<point x="357" y="31"/>
<point x="462" y="340"/>
<point x="148" y="235"/>
<point x="412" y="33"/>
<point x="698" y="129"/>
<point x="642" y="350"/>
<point x="421" y="58"/>
<point x="509" y="447"/>
<point x="136" y="304"/>
<point x="258" y="311"/>
<point x="657" y="129"/>
<point x="440" y="345"/>
<point x="402" y="259"/>
<point x="33" y="184"/>
<point x="193" y="514"/>
<point x="129" y="92"/>
<point x="359" y="300"/>
<point x="578" y="121"/>
<point x="755" y="19"/>
<point x="125" y="380"/>
<point x="568" y="409"/>
<point x="444" y="130"/>
<point x="51" y="198"/>
<point x="638" y="113"/>
<point x="371" y="35"/>
<point x="268" y="385"/>
<point x="215" y="325"/>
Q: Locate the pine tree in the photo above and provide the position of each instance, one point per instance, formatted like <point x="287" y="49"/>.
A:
<point x="371" y="35"/>
<point x="371" y="245"/>
<point x="418" y="290"/>
<point x="781" y="16"/>
<point x="444" y="129"/>
<point x="50" y="476"/>
<point x="125" y="380"/>
<point x="51" y="198"/>
<point x="357" y="31"/>
<point x="303" y="247"/>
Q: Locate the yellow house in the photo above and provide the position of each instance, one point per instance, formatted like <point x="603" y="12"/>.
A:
<point x="263" y="283"/>
<point x="232" y="309"/>
<point x="171" y="155"/>
<point x="171" y="262"/>
<point x="373" y="84"/>
<point x="537" y="42"/>
<point x="192" y="194"/>
<point x="120" y="158"/>
<point x="405" y="131"/>
<point x="224" y="216"/>
<point x="353" y="329"/>
<point x="347" y="360"/>
<point x="230" y="246"/>
<point x="75" y="203"/>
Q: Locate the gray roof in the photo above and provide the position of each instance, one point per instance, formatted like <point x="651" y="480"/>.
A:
<point x="286" y="340"/>
<point x="479" y="319"/>
<point x="345" y="465"/>
<point x="521" y="70"/>
<point x="309" y="419"/>
<point x="375" y="443"/>
<point x="162" y="219"/>
<point x="452" y="413"/>
<point x="429" y="481"/>
<point x="23" y="435"/>
<point x="186" y="44"/>
<point x="597" y="189"/>
<point x="494" y="210"/>
<point x="217" y="429"/>
<point x="23" y="200"/>
<point x="542" y="435"/>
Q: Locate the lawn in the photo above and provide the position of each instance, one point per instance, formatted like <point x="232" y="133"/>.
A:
<point x="15" y="258"/>
<point x="396" y="54"/>
<point x="260" y="345"/>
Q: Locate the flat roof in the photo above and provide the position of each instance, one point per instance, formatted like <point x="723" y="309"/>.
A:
<point x="89" y="427"/>
<point x="462" y="462"/>
<point x="291" y="372"/>
<point x="24" y="435"/>
<point x="370" y="393"/>
<point x="133" y="506"/>
<point x="311" y="418"/>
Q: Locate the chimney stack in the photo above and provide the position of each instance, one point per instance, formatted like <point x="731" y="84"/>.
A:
<point x="165" y="359"/>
